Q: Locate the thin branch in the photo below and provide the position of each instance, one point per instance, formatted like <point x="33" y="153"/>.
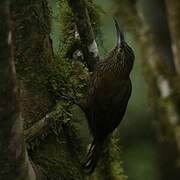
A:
<point x="41" y="127"/>
<point x="46" y="125"/>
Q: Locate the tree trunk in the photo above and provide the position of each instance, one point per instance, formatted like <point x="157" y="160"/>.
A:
<point x="33" y="54"/>
<point x="83" y="23"/>
<point x="173" y="8"/>
<point x="50" y="138"/>
<point x="13" y="156"/>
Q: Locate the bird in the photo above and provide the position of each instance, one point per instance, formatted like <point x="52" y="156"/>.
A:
<point x="108" y="95"/>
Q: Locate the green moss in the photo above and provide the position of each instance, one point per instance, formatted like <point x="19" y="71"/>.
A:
<point x="58" y="162"/>
<point x="61" y="153"/>
<point x="110" y="165"/>
<point x="66" y="78"/>
<point x="33" y="53"/>
<point x="95" y="12"/>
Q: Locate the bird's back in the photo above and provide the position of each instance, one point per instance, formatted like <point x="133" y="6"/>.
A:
<point x="107" y="100"/>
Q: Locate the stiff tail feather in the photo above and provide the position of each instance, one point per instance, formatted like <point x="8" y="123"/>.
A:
<point x="93" y="157"/>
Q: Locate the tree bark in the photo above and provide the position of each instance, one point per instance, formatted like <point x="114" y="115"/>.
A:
<point x="50" y="143"/>
<point x="89" y="46"/>
<point x="13" y="156"/>
<point x="33" y="54"/>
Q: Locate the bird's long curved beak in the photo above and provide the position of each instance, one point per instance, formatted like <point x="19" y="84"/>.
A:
<point x="120" y="33"/>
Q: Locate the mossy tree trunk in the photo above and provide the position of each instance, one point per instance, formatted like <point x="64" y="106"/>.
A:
<point x="13" y="156"/>
<point x="51" y="138"/>
<point x="151" y="32"/>
<point x="88" y="43"/>
<point x="33" y="55"/>
<point x="110" y="165"/>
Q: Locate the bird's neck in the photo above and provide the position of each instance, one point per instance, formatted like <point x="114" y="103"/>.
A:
<point x="122" y="66"/>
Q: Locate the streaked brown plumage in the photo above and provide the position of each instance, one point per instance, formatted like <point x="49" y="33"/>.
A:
<point x="108" y="95"/>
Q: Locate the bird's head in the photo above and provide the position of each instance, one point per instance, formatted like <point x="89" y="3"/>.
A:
<point x="122" y="52"/>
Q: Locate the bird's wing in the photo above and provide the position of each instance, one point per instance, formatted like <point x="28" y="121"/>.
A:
<point x="107" y="103"/>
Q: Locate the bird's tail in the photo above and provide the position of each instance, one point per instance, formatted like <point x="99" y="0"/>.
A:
<point x="93" y="156"/>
